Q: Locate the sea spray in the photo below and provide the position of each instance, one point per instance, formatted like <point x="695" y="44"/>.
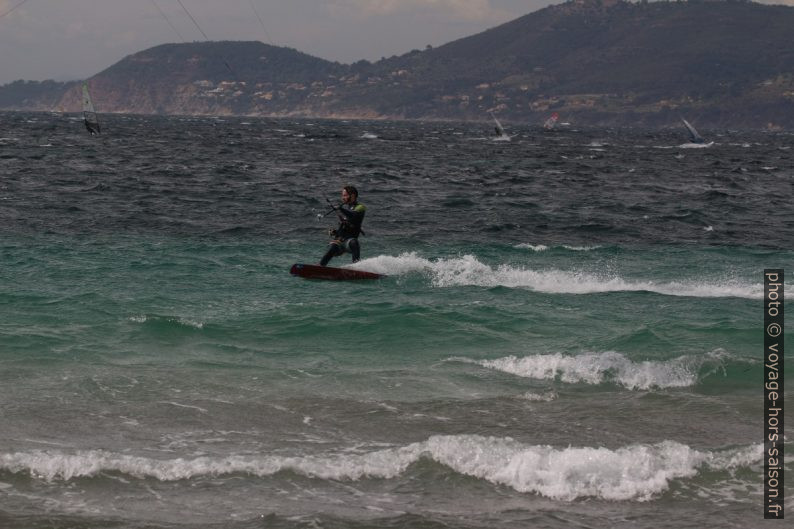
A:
<point x="468" y="270"/>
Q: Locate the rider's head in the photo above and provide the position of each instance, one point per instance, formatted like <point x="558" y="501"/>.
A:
<point x="349" y="194"/>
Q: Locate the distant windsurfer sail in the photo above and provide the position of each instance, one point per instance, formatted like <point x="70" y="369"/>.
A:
<point x="90" y="119"/>
<point x="499" y="130"/>
<point x="694" y="137"/>
<point x="550" y="123"/>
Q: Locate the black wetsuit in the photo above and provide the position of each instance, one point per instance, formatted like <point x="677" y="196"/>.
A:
<point x="90" y="128"/>
<point x="346" y="235"/>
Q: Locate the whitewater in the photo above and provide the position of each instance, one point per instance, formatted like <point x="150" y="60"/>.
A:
<point x="568" y="334"/>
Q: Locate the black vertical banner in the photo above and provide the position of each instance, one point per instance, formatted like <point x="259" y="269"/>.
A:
<point x="773" y="394"/>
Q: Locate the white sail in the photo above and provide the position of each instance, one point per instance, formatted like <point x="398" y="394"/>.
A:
<point x="499" y="129"/>
<point x="693" y="134"/>
<point x="89" y="114"/>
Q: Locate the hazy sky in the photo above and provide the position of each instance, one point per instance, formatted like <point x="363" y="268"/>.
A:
<point x="75" y="39"/>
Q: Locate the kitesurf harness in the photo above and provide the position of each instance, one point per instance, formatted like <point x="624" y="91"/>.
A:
<point x="351" y="216"/>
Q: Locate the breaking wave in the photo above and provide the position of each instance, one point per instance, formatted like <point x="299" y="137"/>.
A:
<point x="636" y="472"/>
<point x="598" y="368"/>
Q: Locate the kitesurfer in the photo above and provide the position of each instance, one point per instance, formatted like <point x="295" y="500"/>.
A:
<point x="345" y="237"/>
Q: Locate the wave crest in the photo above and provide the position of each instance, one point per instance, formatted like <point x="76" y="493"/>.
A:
<point x="598" y="368"/>
<point x="636" y="472"/>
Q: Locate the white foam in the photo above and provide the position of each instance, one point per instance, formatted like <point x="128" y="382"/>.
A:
<point x="696" y="145"/>
<point x="580" y="248"/>
<point x="539" y="397"/>
<point x="543" y="247"/>
<point x="533" y="247"/>
<point x="143" y="318"/>
<point x="57" y="465"/>
<point x="635" y="472"/>
<point x="188" y="323"/>
<point x="469" y="271"/>
<point x="178" y="405"/>
<point x="599" y="368"/>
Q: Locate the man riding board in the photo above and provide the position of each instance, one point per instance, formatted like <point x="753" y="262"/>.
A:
<point x="345" y="237"/>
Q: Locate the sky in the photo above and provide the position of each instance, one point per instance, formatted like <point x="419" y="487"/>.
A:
<point x="74" y="39"/>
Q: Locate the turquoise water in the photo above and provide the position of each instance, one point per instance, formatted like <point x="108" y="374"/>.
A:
<point x="569" y="333"/>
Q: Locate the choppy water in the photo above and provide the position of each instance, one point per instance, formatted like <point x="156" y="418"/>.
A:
<point x="569" y="334"/>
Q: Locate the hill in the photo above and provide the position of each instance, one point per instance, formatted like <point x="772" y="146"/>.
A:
<point x="599" y="62"/>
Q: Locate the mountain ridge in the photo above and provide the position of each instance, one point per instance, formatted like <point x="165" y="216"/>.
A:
<point x="721" y="63"/>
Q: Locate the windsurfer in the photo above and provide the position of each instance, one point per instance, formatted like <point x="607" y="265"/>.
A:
<point x="345" y="237"/>
<point x="89" y="128"/>
<point x="89" y="114"/>
<point x="694" y="137"/>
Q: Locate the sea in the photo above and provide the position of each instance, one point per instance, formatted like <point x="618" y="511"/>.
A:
<point x="569" y="333"/>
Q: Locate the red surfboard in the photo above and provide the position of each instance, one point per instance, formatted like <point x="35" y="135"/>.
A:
<point x="310" y="271"/>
